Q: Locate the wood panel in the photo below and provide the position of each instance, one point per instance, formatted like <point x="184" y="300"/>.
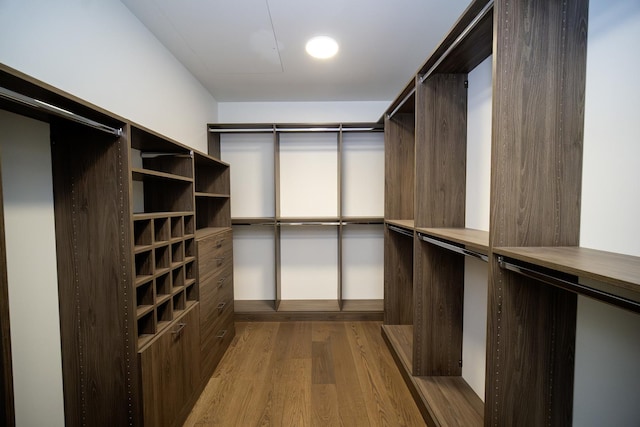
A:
<point x="531" y="346"/>
<point x="398" y="279"/>
<point x="537" y="132"/>
<point x="97" y="319"/>
<point x="170" y="371"/>
<point x="399" y="158"/>
<point x="441" y="151"/>
<point x="438" y="308"/>
<point x="7" y="410"/>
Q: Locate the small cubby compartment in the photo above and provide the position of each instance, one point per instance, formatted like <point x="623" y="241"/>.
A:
<point x="189" y="225"/>
<point x="189" y="248"/>
<point x="162" y="258"/>
<point x="179" y="302"/>
<point x="191" y="293"/>
<point x="143" y="232"/>
<point x="177" y="228"/>
<point x="190" y="272"/>
<point x="144" y="295"/>
<point x="164" y="314"/>
<point x="144" y="265"/>
<point x="177" y="253"/>
<point x="177" y="278"/>
<point x="161" y="230"/>
<point x="146" y="326"/>
<point x="163" y="286"/>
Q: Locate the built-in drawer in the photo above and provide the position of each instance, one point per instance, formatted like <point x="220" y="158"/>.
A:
<point x="216" y="293"/>
<point x="216" y="339"/>
<point x="214" y="253"/>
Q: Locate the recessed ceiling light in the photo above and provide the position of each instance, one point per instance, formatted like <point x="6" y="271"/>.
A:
<point x="322" y="47"/>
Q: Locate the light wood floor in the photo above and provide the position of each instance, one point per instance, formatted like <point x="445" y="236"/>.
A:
<point x="306" y="374"/>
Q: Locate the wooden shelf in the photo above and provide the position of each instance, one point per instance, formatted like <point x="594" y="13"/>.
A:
<point x="144" y="174"/>
<point x="373" y="305"/>
<point x="254" y="306"/>
<point x="362" y="220"/>
<point x="402" y="223"/>
<point x="442" y="400"/>
<point x="308" y="305"/>
<point x="253" y="221"/>
<point x="212" y="195"/>
<point x="477" y="240"/>
<point x="142" y="310"/>
<point x="153" y="215"/>
<point x="616" y="274"/>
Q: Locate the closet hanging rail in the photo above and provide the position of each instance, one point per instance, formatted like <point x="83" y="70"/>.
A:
<point x="399" y="230"/>
<point x="570" y="285"/>
<point x="298" y="223"/>
<point x="485" y="10"/>
<point x="404" y="100"/>
<point x="57" y="111"/>
<point x="453" y="248"/>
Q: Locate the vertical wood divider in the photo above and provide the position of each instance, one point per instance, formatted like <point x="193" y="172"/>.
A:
<point x="340" y="229"/>
<point x="276" y="226"/>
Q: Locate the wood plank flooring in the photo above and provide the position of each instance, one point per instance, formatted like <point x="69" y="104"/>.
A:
<point x="306" y="374"/>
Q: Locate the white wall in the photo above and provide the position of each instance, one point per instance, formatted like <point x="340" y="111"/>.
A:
<point x="97" y="50"/>
<point x="301" y="112"/>
<point x="474" y="332"/>
<point x="32" y="271"/>
<point x="607" y="372"/>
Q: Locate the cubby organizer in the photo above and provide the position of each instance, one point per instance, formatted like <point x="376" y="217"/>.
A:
<point x="164" y="264"/>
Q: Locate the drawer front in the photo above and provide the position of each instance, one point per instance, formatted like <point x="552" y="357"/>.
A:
<point x="171" y="371"/>
<point x="214" y="253"/>
<point x="216" y="341"/>
<point x="216" y="301"/>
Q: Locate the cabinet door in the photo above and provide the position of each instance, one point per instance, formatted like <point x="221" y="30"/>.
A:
<point x="171" y="371"/>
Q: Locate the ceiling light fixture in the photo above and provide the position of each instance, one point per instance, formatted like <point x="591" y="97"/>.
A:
<point x="322" y="47"/>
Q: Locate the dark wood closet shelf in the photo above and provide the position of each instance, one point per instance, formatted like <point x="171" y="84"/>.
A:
<point x="253" y="221"/>
<point x="308" y="305"/>
<point x="402" y="223"/>
<point x="146" y="174"/>
<point x="442" y="400"/>
<point x="208" y="231"/>
<point x="363" y="305"/>
<point x="212" y="195"/>
<point x="477" y="240"/>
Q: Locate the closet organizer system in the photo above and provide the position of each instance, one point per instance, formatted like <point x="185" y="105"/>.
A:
<point x="143" y="245"/>
<point x="308" y="217"/>
<point x="536" y="267"/>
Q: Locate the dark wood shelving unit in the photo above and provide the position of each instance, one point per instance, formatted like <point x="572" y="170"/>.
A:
<point x="283" y="309"/>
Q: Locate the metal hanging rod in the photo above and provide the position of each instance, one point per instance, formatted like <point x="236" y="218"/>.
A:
<point x="404" y="100"/>
<point x="57" y="111"/>
<point x="296" y="129"/>
<point x="485" y="10"/>
<point x="153" y="155"/>
<point x="241" y="130"/>
<point x="570" y="285"/>
<point x="399" y="230"/>
<point x="453" y="248"/>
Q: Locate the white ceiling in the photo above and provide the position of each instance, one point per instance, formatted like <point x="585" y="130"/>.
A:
<point x="253" y="50"/>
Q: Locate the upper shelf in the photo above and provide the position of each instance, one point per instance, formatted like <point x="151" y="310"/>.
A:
<point x="477" y="240"/>
<point x="605" y="275"/>
<point x="402" y="223"/>
<point x="144" y="174"/>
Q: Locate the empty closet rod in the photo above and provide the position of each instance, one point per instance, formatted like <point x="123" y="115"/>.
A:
<point x="242" y="130"/>
<point x="399" y="230"/>
<point x="404" y="100"/>
<point x="573" y="286"/>
<point x="453" y="248"/>
<point x="458" y="40"/>
<point x="57" y="111"/>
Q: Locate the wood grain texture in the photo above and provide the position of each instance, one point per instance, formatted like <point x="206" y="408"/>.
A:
<point x="438" y="307"/>
<point x="536" y="174"/>
<point x="531" y="346"/>
<point x="170" y="371"/>
<point x="7" y="410"/>
<point x="306" y="374"/>
<point x="98" y="333"/>
<point x="398" y="278"/>
<point x="399" y="156"/>
<point x="477" y="240"/>
<point x="441" y="151"/>
<point x="443" y="401"/>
